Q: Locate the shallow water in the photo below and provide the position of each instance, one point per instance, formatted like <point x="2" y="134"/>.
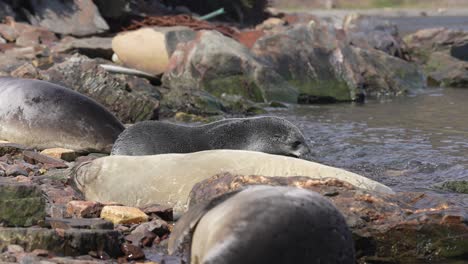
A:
<point x="408" y="143"/>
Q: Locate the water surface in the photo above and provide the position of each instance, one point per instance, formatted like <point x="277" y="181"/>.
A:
<point x="408" y="143"/>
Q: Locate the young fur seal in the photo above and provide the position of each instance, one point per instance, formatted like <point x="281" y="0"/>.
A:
<point x="271" y="135"/>
<point x="42" y="115"/>
<point x="264" y="224"/>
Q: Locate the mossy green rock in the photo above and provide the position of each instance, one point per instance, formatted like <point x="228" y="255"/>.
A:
<point x="72" y="242"/>
<point x="455" y="186"/>
<point x="218" y="66"/>
<point x="21" y="204"/>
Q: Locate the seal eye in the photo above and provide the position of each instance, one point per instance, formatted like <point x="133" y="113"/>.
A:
<point x="296" y="144"/>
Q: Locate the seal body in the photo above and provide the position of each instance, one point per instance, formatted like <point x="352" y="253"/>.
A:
<point x="168" y="178"/>
<point x="42" y="115"/>
<point x="265" y="224"/>
<point x="271" y="135"/>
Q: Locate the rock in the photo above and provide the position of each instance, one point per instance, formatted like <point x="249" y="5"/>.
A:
<point x="88" y="223"/>
<point x="130" y="98"/>
<point x="35" y="157"/>
<point x="132" y="252"/>
<point x="370" y="32"/>
<point x="60" y="153"/>
<point x="16" y="170"/>
<point x="150" y="230"/>
<point x="15" y="249"/>
<point x="123" y="215"/>
<point x="76" y="17"/>
<point x="91" y="47"/>
<point x="21" y="204"/>
<point x="27" y="71"/>
<point x="8" y="32"/>
<point x="84" y="209"/>
<point x="385" y="75"/>
<point x="11" y="148"/>
<point x="248" y="38"/>
<point x="270" y="23"/>
<point x="454" y="186"/>
<point x="149" y="49"/>
<point x="418" y="226"/>
<point x="444" y="55"/>
<point x="164" y="212"/>
<point x="213" y="65"/>
<point x="319" y="68"/>
<point x="70" y="242"/>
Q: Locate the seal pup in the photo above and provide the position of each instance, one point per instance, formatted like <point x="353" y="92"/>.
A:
<point x="42" y="115"/>
<point x="168" y="178"/>
<point x="268" y="134"/>
<point x="264" y="224"/>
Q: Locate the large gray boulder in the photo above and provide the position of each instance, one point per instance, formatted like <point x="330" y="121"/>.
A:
<point x="444" y="54"/>
<point x="313" y="58"/>
<point x="212" y="66"/>
<point x="130" y="98"/>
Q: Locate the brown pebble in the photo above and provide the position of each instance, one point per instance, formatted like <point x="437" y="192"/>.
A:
<point x="132" y="252"/>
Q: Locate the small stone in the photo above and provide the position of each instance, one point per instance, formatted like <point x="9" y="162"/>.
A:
<point x="23" y="179"/>
<point x="16" y="170"/>
<point x="60" y="153"/>
<point x="49" y="162"/>
<point x="132" y="252"/>
<point x="164" y="212"/>
<point x="15" y="249"/>
<point x="123" y="215"/>
<point x="84" y="209"/>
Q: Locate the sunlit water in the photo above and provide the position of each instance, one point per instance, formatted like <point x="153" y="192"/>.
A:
<point x="409" y="143"/>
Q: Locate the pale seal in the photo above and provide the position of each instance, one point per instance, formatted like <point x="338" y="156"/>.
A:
<point x="264" y="224"/>
<point x="265" y="134"/>
<point x="168" y="178"/>
<point x="42" y="115"/>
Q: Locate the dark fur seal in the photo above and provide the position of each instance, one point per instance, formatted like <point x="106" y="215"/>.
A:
<point x="271" y="135"/>
<point x="264" y="224"/>
<point x="43" y="115"/>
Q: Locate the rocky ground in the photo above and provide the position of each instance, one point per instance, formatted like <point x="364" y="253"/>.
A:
<point x="200" y="71"/>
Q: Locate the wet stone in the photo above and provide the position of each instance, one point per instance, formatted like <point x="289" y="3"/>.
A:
<point x="79" y="223"/>
<point x="84" y="209"/>
<point x="132" y="252"/>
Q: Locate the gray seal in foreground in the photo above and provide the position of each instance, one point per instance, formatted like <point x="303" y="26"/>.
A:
<point x="264" y="224"/>
<point x="43" y="115"/>
<point x="268" y="134"/>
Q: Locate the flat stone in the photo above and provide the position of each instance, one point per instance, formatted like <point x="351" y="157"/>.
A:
<point x="35" y="157"/>
<point x="70" y="242"/>
<point x="92" y="47"/>
<point x="11" y="148"/>
<point x="123" y="215"/>
<point x="21" y="204"/>
<point x="79" y="223"/>
<point x="16" y="170"/>
<point x="84" y="209"/>
<point x="60" y="153"/>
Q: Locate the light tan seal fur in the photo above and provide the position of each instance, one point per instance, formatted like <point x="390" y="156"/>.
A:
<point x="168" y="178"/>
